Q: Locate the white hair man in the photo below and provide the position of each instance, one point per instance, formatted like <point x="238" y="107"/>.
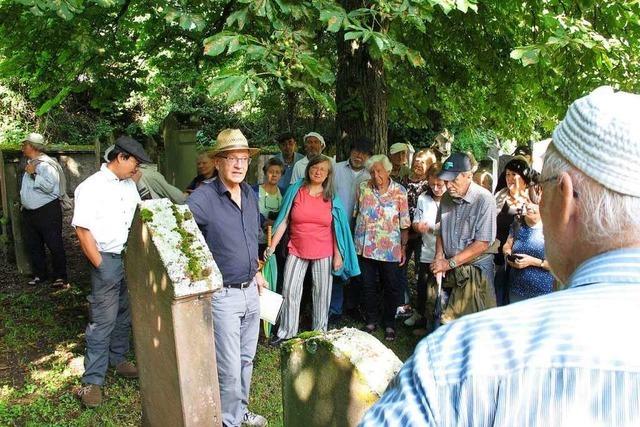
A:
<point x="565" y="358"/>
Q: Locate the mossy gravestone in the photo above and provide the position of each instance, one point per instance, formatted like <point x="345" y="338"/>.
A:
<point x="171" y="276"/>
<point x="331" y="379"/>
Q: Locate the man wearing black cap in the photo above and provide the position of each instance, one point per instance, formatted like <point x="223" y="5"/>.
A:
<point x="104" y="207"/>
<point x="467" y="216"/>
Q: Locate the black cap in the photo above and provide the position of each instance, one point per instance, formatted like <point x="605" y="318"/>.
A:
<point x="455" y="163"/>
<point x="132" y="147"/>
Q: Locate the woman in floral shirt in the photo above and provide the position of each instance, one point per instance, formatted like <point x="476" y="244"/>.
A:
<point x="381" y="232"/>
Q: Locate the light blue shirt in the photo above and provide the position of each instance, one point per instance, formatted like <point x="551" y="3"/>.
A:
<point x="39" y="189"/>
<point x="569" y="358"/>
<point x="346" y="182"/>
<point x="285" y="179"/>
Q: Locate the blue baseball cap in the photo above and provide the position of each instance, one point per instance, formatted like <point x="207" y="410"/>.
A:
<point x="455" y="163"/>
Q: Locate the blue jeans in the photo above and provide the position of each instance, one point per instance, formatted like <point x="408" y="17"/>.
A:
<point x="236" y="323"/>
<point x="337" y="296"/>
<point x="107" y="334"/>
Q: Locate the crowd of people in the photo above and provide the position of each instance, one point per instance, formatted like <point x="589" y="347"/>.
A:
<point x="350" y="230"/>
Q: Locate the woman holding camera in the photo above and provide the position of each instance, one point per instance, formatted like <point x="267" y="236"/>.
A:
<point x="509" y="201"/>
<point x="529" y="274"/>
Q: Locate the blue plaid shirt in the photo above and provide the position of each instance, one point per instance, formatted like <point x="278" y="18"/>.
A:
<point x="569" y="358"/>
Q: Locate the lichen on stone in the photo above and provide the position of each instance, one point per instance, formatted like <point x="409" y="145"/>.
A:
<point x="182" y="248"/>
<point x="146" y="215"/>
<point x="195" y="270"/>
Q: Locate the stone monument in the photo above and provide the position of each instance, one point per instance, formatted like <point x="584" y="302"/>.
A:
<point x="331" y="379"/>
<point x="172" y="276"/>
<point x="178" y="163"/>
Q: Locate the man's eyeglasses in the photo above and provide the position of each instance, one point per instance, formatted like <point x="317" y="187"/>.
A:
<point x="555" y="179"/>
<point x="237" y="160"/>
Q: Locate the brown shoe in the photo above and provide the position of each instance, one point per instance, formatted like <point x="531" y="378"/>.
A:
<point x="127" y="369"/>
<point x="91" y="395"/>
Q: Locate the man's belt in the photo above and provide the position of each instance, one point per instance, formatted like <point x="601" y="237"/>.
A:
<point x="242" y="285"/>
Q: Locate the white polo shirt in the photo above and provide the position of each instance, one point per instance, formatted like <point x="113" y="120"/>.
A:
<point x="105" y="206"/>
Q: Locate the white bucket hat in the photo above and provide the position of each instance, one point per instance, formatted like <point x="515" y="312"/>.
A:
<point x="316" y="135"/>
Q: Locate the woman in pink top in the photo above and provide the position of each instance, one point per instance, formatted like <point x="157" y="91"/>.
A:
<point x="311" y="242"/>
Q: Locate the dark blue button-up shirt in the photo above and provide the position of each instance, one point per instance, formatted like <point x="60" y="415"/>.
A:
<point x="231" y="233"/>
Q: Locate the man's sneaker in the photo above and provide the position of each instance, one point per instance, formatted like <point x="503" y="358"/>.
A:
<point x="253" y="420"/>
<point x="91" y="395"/>
<point x="127" y="369"/>
<point x="415" y="318"/>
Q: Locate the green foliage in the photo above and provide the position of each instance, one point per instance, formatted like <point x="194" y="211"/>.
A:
<point x="77" y="69"/>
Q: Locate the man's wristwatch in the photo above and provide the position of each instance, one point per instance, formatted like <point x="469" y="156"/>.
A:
<point x="452" y="263"/>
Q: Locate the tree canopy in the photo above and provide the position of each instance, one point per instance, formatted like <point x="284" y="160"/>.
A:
<point x="509" y="68"/>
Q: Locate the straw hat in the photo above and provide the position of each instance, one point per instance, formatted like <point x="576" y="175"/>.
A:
<point x="232" y="139"/>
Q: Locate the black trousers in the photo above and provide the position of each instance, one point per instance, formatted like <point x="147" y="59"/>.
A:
<point x="389" y="273"/>
<point x="43" y="226"/>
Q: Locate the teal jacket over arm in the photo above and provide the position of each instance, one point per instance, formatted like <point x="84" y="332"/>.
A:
<point x="350" y="267"/>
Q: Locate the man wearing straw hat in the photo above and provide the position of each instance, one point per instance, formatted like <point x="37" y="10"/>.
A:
<point x="565" y="358"/>
<point x="226" y="210"/>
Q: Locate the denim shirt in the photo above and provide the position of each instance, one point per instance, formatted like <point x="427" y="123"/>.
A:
<point x="41" y="188"/>
<point x="231" y="232"/>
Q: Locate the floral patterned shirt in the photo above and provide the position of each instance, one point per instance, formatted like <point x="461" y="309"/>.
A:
<point x="379" y="219"/>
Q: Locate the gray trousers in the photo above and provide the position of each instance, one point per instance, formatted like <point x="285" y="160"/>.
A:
<point x="236" y="323"/>
<point x="294" y="271"/>
<point x="107" y="334"/>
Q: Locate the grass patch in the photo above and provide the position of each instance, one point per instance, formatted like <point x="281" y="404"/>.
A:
<point x="41" y="349"/>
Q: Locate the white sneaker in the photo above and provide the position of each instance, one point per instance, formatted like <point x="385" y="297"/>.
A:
<point x="415" y="318"/>
<point x="253" y="420"/>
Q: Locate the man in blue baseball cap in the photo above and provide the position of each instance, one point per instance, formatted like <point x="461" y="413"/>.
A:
<point x="464" y="259"/>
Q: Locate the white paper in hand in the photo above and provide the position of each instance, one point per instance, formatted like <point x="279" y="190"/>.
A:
<point x="270" y="303"/>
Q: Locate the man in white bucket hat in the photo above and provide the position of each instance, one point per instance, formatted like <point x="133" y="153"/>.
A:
<point x="313" y="145"/>
<point x="566" y="358"/>
<point x="226" y="210"/>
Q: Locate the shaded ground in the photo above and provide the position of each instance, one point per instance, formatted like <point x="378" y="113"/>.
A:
<point x="41" y="349"/>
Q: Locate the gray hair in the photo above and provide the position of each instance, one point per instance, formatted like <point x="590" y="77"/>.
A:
<point x="379" y="158"/>
<point x="607" y="216"/>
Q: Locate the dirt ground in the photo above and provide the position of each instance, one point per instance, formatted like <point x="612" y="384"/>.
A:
<point x="69" y="306"/>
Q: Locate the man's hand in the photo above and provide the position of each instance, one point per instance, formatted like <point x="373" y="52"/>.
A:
<point x="440" y="265"/>
<point x="262" y="284"/>
<point x="30" y="168"/>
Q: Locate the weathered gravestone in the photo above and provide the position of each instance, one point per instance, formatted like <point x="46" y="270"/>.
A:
<point x="331" y="379"/>
<point x="171" y="276"/>
<point x="179" y="160"/>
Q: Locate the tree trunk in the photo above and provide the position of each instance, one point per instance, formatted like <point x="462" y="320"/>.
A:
<point x="361" y="94"/>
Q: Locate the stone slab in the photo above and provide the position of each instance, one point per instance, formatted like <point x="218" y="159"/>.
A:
<point x="331" y="379"/>
<point x="172" y="318"/>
